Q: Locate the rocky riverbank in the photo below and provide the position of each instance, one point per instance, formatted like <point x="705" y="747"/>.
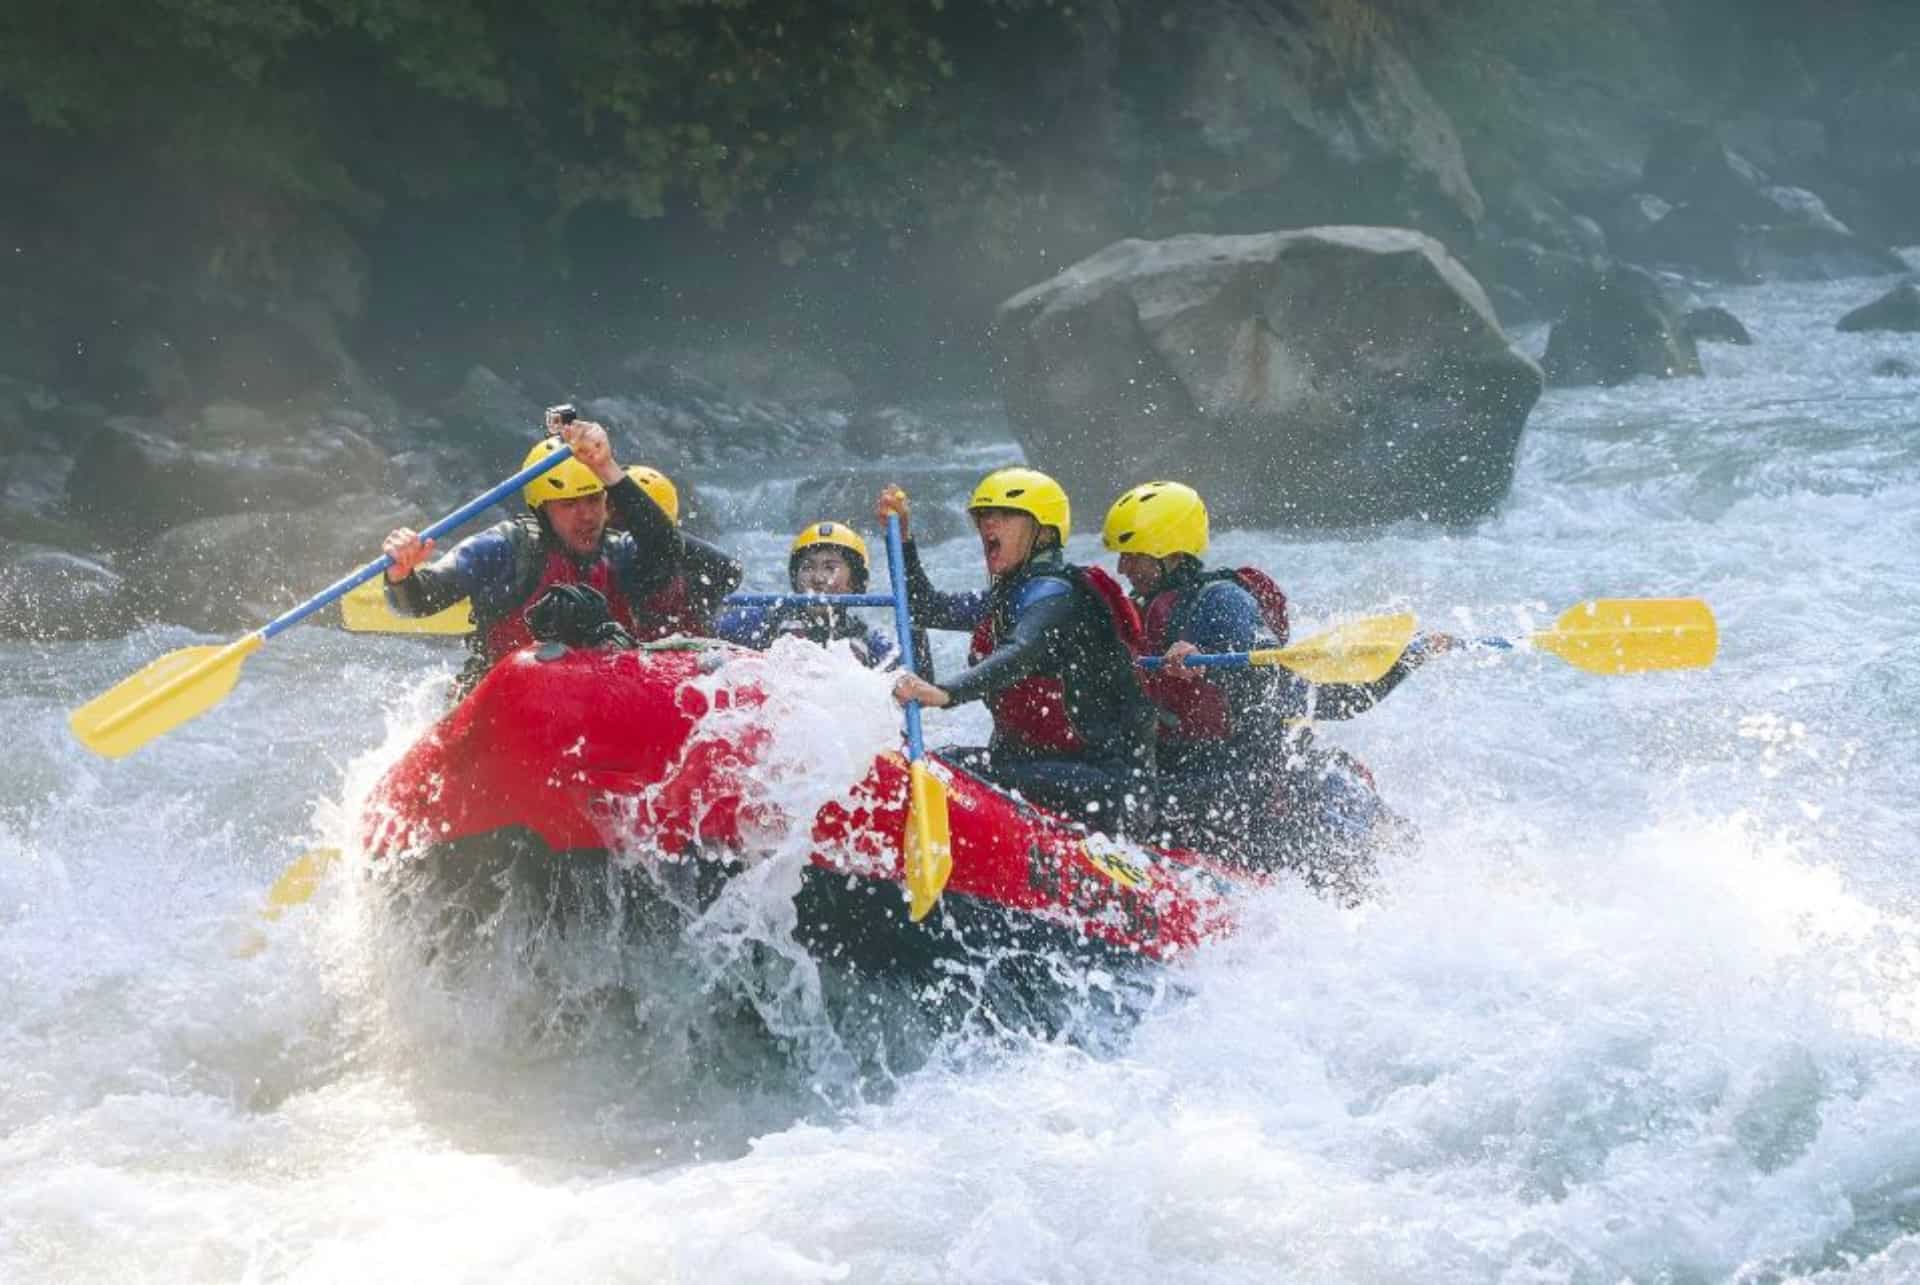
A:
<point x="218" y="383"/>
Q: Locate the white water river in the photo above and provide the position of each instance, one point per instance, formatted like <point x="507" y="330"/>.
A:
<point x="1642" y="1004"/>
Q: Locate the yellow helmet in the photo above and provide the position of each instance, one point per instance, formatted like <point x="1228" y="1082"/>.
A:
<point x="659" y="486"/>
<point x="841" y="537"/>
<point x="1158" y="519"/>
<point x="568" y="480"/>
<point x="1026" y="491"/>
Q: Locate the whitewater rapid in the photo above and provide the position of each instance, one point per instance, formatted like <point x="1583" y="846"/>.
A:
<point x="1643" y="1002"/>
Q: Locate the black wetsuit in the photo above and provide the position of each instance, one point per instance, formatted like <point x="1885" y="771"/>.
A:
<point x="1042" y="621"/>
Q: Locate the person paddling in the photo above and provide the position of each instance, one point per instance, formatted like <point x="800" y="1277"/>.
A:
<point x="686" y="604"/>
<point x="564" y="540"/>
<point x="824" y="558"/>
<point x="1234" y="777"/>
<point x="1051" y="655"/>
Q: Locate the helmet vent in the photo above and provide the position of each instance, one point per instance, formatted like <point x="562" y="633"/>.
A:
<point x="1016" y="492"/>
<point x="1125" y="536"/>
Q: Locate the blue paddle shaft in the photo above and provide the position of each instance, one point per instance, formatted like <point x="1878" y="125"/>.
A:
<point x="1243" y="659"/>
<point x="802" y="599"/>
<point x="1204" y="660"/>
<point x="903" y="625"/>
<point x="339" y="588"/>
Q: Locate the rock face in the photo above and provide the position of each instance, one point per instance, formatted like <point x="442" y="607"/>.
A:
<point x="142" y="477"/>
<point x="1897" y="309"/>
<point x="1281" y="138"/>
<point x="1335" y="376"/>
<point x="1619" y="327"/>
<point x="1874" y="133"/>
<point x="939" y="499"/>
<point x="1731" y="222"/>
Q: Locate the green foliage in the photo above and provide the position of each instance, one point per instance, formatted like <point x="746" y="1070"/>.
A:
<point x="811" y="121"/>
<point x="787" y="109"/>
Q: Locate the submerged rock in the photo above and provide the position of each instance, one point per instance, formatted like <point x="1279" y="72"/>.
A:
<point x="1334" y="376"/>
<point x="1619" y="327"/>
<point x="1897" y="309"/>
<point x="1714" y="325"/>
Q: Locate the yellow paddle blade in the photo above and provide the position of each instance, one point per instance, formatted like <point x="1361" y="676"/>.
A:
<point x="1357" y="652"/>
<point x="180" y="685"/>
<point x="365" y="611"/>
<point x="298" y="882"/>
<point x="928" y="841"/>
<point x="1633" y="635"/>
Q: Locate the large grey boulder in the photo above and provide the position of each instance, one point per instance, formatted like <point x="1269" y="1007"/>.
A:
<point x="1620" y="326"/>
<point x="1334" y="376"/>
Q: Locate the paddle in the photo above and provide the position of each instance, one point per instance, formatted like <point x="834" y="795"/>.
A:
<point x="927" y="845"/>
<point x="187" y="683"/>
<point x="365" y="611"/>
<point x="1627" y="635"/>
<point x="1601" y="636"/>
<point x="295" y="887"/>
<point x="802" y="599"/>
<point x="1358" y="652"/>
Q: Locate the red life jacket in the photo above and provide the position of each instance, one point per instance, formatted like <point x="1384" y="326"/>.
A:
<point x="1157" y="620"/>
<point x="1198" y="705"/>
<point x="510" y="633"/>
<point x="667" y="611"/>
<point x="1034" y="710"/>
<point x="1267" y="596"/>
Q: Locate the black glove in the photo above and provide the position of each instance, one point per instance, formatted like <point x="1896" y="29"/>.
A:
<point x="577" y="615"/>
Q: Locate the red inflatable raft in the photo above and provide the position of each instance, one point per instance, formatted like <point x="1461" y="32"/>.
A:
<point x="587" y="755"/>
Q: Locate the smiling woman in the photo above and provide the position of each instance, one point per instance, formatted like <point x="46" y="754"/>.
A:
<point x="1051" y="654"/>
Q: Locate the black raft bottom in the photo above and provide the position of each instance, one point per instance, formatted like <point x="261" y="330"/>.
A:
<point x="970" y="966"/>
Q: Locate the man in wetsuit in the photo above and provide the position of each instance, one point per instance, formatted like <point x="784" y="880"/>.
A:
<point x="1051" y="656"/>
<point x="1235" y="778"/>
<point x="686" y="604"/>
<point x="564" y="540"/>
